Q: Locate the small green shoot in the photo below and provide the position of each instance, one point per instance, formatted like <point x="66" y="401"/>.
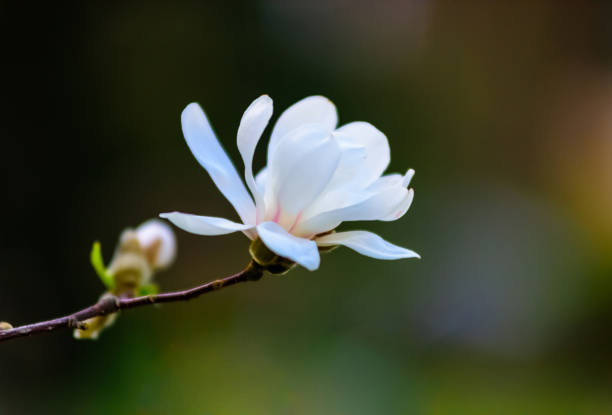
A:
<point x="98" y="265"/>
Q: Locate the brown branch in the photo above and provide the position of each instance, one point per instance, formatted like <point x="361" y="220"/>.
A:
<point x="108" y="305"/>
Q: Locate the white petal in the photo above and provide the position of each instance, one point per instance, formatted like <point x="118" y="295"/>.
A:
<point x="351" y="163"/>
<point x="153" y="232"/>
<point x="375" y="142"/>
<point x="386" y="181"/>
<point x="402" y="208"/>
<point x="311" y="110"/>
<point x="282" y="243"/>
<point x="377" y="206"/>
<point x="204" y="225"/>
<point x="299" y="170"/>
<point x="341" y="190"/>
<point x="367" y="243"/>
<point x="252" y="125"/>
<point x="206" y="148"/>
<point x="260" y="180"/>
<point x="408" y="178"/>
<point x="358" y="169"/>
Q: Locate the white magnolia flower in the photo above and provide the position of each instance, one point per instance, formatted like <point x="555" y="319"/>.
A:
<point x="317" y="177"/>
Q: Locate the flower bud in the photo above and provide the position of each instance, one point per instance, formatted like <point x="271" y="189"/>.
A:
<point x="130" y="266"/>
<point x="271" y="262"/>
<point x="158" y="242"/>
<point x="141" y="252"/>
<point x="5" y="326"/>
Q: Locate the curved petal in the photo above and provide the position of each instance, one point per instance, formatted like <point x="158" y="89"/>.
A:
<point x="340" y="191"/>
<point x="375" y="142"/>
<point x="405" y="204"/>
<point x="204" y="225"/>
<point x="407" y="178"/>
<point x="402" y="207"/>
<point x="351" y="163"/>
<point x="386" y="181"/>
<point x="157" y="237"/>
<point x="377" y="206"/>
<point x="282" y="243"/>
<point x="206" y="148"/>
<point x="311" y="110"/>
<point x="365" y="154"/>
<point x="260" y="180"/>
<point x="299" y="170"/>
<point x="368" y="244"/>
<point x="252" y="125"/>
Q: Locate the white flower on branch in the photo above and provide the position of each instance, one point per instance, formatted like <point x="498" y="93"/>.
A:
<point x="317" y="176"/>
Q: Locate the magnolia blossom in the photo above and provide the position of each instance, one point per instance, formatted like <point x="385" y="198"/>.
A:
<point x="317" y="176"/>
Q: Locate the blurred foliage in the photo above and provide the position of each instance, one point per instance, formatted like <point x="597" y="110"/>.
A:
<point x="503" y="109"/>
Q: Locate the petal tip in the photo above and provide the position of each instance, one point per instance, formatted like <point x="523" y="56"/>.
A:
<point x="312" y="265"/>
<point x="264" y="98"/>
<point x="191" y="107"/>
<point x="408" y="177"/>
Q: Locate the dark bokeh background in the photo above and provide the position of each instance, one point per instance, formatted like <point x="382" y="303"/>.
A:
<point x="503" y="108"/>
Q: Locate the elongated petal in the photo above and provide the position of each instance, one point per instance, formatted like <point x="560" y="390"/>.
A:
<point x="282" y="243"/>
<point x="386" y="181"/>
<point x="407" y="178"/>
<point x="386" y="199"/>
<point x="260" y="180"/>
<point x="311" y="110"/>
<point x="204" y="225"/>
<point x="368" y="244"/>
<point x="376" y="145"/>
<point x="378" y="206"/>
<point x="300" y="169"/>
<point x="206" y="149"/>
<point x="252" y="125"/>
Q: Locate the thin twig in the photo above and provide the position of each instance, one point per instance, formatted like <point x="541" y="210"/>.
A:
<point x="108" y="305"/>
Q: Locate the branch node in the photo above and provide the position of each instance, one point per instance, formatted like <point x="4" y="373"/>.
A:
<point x="254" y="271"/>
<point x="73" y="323"/>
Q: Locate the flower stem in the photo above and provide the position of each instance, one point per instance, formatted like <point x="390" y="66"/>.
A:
<point x="108" y="305"/>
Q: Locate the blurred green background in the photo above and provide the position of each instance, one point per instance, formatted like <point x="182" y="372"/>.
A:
<point x="504" y="109"/>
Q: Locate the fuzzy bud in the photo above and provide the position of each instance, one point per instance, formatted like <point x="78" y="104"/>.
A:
<point x="5" y="326"/>
<point x="130" y="266"/>
<point x="141" y="252"/>
<point x="158" y="242"/>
